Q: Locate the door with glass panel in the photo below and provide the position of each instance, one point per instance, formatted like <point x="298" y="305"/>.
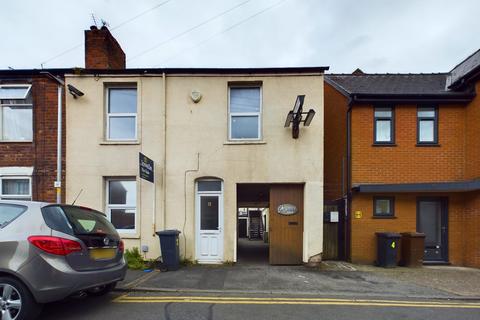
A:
<point x="209" y="221"/>
<point x="432" y="217"/>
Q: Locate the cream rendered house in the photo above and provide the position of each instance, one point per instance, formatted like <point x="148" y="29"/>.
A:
<point x="219" y="144"/>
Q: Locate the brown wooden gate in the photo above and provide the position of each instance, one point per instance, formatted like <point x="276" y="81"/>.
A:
<point x="286" y="231"/>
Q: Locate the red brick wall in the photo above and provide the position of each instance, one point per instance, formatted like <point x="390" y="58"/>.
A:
<point x="42" y="152"/>
<point x="407" y="163"/>
<point x="335" y="142"/>
<point x="473" y="136"/>
<point x="102" y="50"/>
<point x="363" y="240"/>
<point x="472" y="229"/>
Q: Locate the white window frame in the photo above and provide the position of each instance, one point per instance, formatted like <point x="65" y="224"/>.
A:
<point x="245" y="114"/>
<point x="119" y="115"/>
<point x="28" y="86"/>
<point x="109" y="207"/>
<point x="3" y="105"/>
<point x="16" y="196"/>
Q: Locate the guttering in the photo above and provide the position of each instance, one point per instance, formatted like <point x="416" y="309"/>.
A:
<point x="160" y="71"/>
<point x="414" y="98"/>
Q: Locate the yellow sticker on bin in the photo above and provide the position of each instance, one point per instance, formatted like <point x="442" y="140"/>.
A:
<point x="393" y="245"/>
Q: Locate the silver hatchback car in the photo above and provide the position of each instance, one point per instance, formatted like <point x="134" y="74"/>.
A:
<point x="50" y="251"/>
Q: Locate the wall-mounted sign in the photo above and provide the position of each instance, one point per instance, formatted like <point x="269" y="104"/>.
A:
<point x="146" y="167"/>
<point x="358" y="214"/>
<point x="287" y="209"/>
<point x="334" y="216"/>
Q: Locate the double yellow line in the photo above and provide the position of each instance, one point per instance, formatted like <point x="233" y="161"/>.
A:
<point x="296" y="301"/>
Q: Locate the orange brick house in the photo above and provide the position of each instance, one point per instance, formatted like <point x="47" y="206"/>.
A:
<point x="403" y="152"/>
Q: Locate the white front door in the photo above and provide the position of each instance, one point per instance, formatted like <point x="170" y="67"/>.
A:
<point x="209" y="221"/>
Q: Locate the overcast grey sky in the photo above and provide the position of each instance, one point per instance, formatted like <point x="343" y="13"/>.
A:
<point x="375" y="35"/>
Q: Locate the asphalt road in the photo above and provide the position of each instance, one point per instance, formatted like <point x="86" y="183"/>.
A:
<point x="176" y="306"/>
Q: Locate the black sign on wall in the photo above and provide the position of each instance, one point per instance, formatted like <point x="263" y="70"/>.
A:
<point x="146" y="167"/>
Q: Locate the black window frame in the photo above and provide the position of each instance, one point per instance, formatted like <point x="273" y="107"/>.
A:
<point x="435" y="124"/>
<point x="392" y="125"/>
<point x="391" y="214"/>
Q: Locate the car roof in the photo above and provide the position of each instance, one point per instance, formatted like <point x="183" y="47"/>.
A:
<point x="29" y="204"/>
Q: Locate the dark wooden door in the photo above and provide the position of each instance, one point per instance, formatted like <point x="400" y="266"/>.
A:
<point x="432" y="219"/>
<point x="286" y="231"/>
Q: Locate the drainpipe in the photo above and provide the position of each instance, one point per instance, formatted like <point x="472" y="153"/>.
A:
<point x="58" y="182"/>
<point x="349" y="178"/>
<point x="164" y="151"/>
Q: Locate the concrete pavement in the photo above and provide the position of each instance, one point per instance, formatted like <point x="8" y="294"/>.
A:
<point x="332" y="279"/>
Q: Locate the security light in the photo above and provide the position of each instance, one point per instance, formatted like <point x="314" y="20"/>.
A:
<point x="289" y="119"/>
<point x="309" y="118"/>
<point x="298" y="104"/>
<point x="74" y="91"/>
<point x="295" y="117"/>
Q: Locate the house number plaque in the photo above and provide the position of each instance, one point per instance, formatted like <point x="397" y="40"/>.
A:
<point x="287" y="209"/>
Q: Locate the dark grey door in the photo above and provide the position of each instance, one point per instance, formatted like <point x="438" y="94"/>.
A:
<point x="432" y="220"/>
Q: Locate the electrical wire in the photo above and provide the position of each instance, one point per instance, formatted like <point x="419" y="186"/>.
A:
<point x="116" y="27"/>
<point x="178" y="35"/>
<point x="222" y="32"/>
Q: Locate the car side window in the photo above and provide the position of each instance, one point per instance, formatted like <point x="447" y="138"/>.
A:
<point x="10" y="212"/>
<point x="56" y="220"/>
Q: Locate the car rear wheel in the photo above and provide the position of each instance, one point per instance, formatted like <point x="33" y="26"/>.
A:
<point x="102" y="290"/>
<point x="16" y="301"/>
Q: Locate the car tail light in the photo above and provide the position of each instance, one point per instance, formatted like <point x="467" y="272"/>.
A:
<point x="55" y="245"/>
<point x="121" y="246"/>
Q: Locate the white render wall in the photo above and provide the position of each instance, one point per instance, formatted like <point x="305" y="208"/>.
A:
<point x="196" y="134"/>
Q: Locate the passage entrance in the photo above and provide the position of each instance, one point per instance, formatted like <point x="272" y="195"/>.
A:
<point x="270" y="223"/>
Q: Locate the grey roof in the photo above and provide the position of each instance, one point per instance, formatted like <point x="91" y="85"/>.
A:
<point x="464" y="69"/>
<point x="419" y="86"/>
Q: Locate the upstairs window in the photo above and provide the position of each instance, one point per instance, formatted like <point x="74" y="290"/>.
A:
<point x="427" y="124"/>
<point x="16" y="120"/>
<point x="384" y="126"/>
<point x="121" y="113"/>
<point x="244" y="113"/>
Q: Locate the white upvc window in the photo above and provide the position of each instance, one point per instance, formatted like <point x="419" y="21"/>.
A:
<point x="245" y="113"/>
<point x="121" y="119"/>
<point x="15" y="188"/>
<point x="122" y="203"/>
<point x="16" y="116"/>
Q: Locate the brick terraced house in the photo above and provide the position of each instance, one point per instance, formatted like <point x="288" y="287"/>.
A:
<point x="29" y="104"/>
<point x="402" y="152"/>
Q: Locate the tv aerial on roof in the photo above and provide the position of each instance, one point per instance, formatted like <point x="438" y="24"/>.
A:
<point x="295" y="117"/>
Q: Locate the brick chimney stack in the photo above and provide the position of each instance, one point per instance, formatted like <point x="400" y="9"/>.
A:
<point x="102" y="50"/>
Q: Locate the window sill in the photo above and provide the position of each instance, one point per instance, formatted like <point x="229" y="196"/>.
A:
<point x="427" y="145"/>
<point x="241" y="142"/>
<point x="384" y="217"/>
<point x="16" y="141"/>
<point x="115" y="143"/>
<point x="384" y="145"/>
